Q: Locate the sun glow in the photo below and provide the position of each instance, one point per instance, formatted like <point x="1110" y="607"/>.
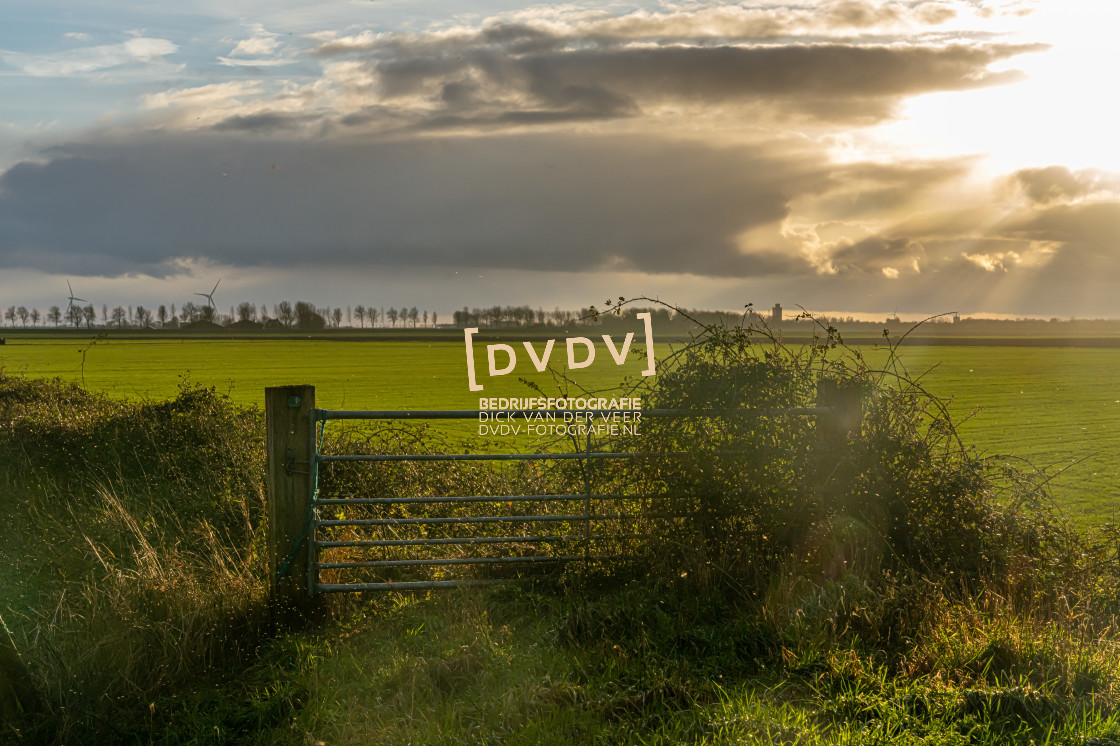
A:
<point x="1061" y="113"/>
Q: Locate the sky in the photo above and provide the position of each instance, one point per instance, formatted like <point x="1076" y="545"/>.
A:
<point x="844" y="156"/>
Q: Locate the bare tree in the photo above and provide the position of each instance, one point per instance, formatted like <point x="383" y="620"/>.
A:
<point x="35" y="317"/>
<point x="285" y="313"/>
<point x="360" y="312"/>
<point x="23" y="314"/>
<point x="392" y="313"/>
<point x="54" y="315"/>
<point x="161" y="314"/>
<point x="336" y="317"/>
<point x="90" y="314"/>
<point x="246" y="311"/>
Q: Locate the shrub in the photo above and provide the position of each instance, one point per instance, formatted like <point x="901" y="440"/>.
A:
<point x="204" y="455"/>
<point x="129" y="530"/>
<point x="759" y="496"/>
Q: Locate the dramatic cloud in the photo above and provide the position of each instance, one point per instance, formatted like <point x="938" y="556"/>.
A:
<point x="515" y="73"/>
<point x="543" y="202"/>
<point x="547" y="67"/>
<point x="698" y="143"/>
<point x="546" y="202"/>
<point x="1067" y="229"/>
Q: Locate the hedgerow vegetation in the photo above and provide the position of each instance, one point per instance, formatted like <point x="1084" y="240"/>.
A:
<point x="786" y="580"/>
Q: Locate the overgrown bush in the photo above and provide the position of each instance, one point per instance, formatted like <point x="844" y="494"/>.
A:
<point x="198" y="450"/>
<point x="131" y="536"/>
<point x="746" y="496"/>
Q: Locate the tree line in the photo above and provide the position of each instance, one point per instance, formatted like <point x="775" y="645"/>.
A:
<point x="305" y="316"/>
<point x="300" y="315"/>
<point x="494" y="316"/>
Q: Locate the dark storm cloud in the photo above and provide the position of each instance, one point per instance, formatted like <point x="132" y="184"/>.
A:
<point x="533" y="202"/>
<point x="545" y="202"/>
<point x="541" y="202"/>
<point x="787" y="72"/>
<point x="610" y="77"/>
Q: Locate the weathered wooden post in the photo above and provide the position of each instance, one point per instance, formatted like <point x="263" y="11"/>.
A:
<point x="846" y="415"/>
<point x="291" y="449"/>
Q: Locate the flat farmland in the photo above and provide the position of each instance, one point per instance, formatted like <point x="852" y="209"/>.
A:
<point x="346" y="374"/>
<point x="1059" y="407"/>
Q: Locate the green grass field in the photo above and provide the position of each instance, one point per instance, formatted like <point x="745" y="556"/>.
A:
<point x="346" y="374"/>
<point x="1059" y="407"/>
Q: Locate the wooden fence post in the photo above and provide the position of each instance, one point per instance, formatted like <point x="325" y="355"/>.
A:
<point x="846" y="415"/>
<point x="290" y="450"/>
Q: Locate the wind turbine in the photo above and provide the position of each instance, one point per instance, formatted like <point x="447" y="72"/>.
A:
<point x="72" y="298"/>
<point x="210" y="296"/>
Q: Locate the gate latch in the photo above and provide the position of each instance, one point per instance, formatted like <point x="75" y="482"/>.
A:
<point x="290" y="463"/>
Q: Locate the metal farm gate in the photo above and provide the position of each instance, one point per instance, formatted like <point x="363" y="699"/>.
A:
<point x="415" y="542"/>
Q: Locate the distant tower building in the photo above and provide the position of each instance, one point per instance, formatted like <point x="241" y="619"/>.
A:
<point x="776" y="313"/>
<point x="956" y="318"/>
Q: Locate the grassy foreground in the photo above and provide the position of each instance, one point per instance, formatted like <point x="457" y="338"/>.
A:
<point x="132" y="533"/>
